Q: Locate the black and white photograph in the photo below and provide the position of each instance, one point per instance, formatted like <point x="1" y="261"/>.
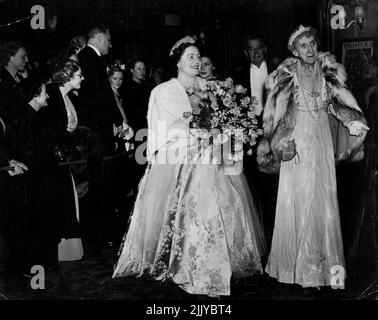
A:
<point x="194" y="156"/>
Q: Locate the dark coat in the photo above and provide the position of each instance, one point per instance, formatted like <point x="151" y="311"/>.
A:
<point x="136" y="97"/>
<point x="56" y="116"/>
<point x="97" y="108"/>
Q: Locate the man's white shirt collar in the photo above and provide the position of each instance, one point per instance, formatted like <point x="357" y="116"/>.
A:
<point x="95" y="49"/>
<point x="262" y="67"/>
<point x="257" y="81"/>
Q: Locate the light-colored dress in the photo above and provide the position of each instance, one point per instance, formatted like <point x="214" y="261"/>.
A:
<point x="307" y="246"/>
<point x="192" y="223"/>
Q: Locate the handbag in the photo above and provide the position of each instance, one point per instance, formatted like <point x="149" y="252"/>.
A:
<point x="289" y="152"/>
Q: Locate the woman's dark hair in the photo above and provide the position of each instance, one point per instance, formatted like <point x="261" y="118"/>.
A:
<point x="30" y="88"/>
<point x="132" y="63"/>
<point x="64" y="71"/>
<point x="8" y="50"/>
<point x="178" y="52"/>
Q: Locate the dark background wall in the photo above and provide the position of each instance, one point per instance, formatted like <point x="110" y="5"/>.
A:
<point x="148" y="28"/>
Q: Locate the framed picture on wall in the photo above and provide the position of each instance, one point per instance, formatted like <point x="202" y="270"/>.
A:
<point x="355" y="57"/>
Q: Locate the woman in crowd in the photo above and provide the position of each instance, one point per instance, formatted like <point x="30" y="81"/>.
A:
<point x="207" y="68"/>
<point x="119" y="171"/>
<point x="307" y="103"/>
<point x="120" y="127"/>
<point x="37" y="226"/>
<point x="192" y="223"/>
<point x="136" y="94"/>
<point x="63" y="117"/>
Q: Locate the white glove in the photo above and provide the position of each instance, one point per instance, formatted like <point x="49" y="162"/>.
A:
<point x="19" y="168"/>
<point x="127" y="132"/>
<point x="356" y="128"/>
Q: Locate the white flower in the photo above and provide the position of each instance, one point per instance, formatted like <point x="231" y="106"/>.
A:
<point x="251" y="114"/>
<point x="239" y="88"/>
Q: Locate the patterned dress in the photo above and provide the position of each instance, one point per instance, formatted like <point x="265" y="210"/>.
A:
<point x="192" y="223"/>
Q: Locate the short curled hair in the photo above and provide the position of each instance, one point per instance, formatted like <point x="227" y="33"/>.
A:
<point x="8" y="50"/>
<point x="133" y="62"/>
<point x="310" y="33"/>
<point x="64" y="71"/>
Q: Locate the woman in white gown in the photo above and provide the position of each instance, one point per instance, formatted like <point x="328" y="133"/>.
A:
<point x="192" y="223"/>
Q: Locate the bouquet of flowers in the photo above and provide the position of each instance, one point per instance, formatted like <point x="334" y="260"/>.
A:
<point x="225" y="114"/>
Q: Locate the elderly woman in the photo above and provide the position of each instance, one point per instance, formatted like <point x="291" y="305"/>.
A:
<point x="192" y="223"/>
<point x="308" y="102"/>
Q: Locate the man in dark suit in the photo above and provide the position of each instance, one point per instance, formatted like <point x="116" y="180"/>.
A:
<point x="96" y="113"/>
<point x="253" y="77"/>
<point x="95" y="90"/>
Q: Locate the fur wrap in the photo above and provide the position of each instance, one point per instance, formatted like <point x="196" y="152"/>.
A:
<point x="280" y="112"/>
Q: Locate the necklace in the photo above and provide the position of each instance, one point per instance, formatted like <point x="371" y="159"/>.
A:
<point x="308" y="85"/>
<point x="313" y="94"/>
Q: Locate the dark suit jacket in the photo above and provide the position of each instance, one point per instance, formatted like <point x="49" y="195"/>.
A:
<point x="97" y="105"/>
<point x="93" y="86"/>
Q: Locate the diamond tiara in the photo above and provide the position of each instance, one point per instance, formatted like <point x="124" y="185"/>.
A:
<point x="186" y="39"/>
<point x="301" y="29"/>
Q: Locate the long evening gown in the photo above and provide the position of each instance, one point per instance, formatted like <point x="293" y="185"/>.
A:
<point x="307" y="246"/>
<point x="192" y="223"/>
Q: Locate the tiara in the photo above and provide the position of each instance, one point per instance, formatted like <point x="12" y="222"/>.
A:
<point x="186" y="39"/>
<point x="116" y="65"/>
<point x="301" y="29"/>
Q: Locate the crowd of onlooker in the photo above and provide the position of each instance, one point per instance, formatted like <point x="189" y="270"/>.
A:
<point x="67" y="167"/>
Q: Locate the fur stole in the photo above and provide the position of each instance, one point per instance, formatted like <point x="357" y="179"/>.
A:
<point x="279" y="112"/>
